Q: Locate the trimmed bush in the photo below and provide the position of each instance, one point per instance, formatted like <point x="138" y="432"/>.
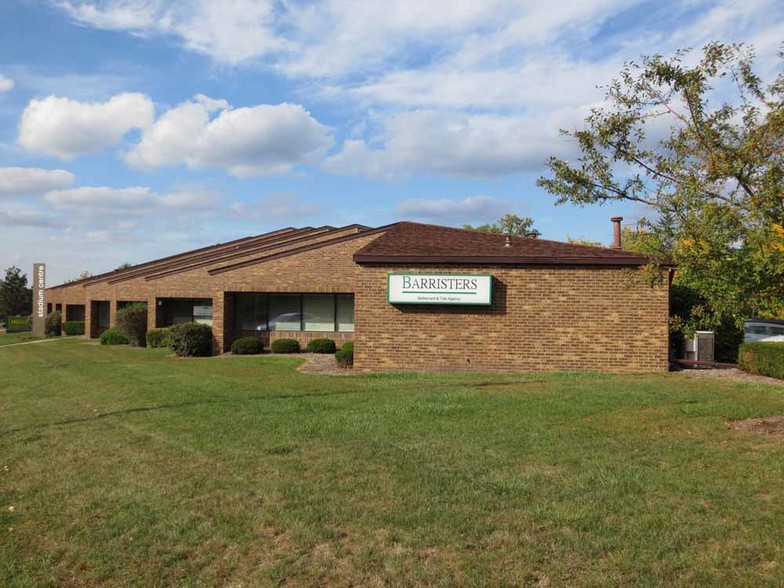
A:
<point x="285" y="346"/>
<point x="191" y="340"/>
<point x="113" y="336"/>
<point x="53" y="323"/>
<point x="321" y="346"/>
<point x="766" y="359"/>
<point x="73" y="328"/>
<point x="247" y="346"/>
<point x="132" y="321"/>
<point x="158" y="338"/>
<point x="345" y="357"/>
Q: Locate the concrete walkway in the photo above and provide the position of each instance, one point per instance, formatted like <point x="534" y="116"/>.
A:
<point x="41" y="341"/>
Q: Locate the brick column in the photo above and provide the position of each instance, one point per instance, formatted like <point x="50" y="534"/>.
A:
<point x="151" y="314"/>
<point x="112" y="313"/>
<point x="218" y="314"/>
<point x="89" y="319"/>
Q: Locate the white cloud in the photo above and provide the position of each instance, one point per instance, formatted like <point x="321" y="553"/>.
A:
<point x="28" y="218"/>
<point x="67" y="128"/>
<point x="438" y="142"/>
<point x="6" y="84"/>
<point x="230" y="31"/>
<point x="259" y="140"/>
<point x="19" y="181"/>
<point x="138" y="200"/>
<point x="274" y="208"/>
<point x="101" y="197"/>
<point x="474" y="209"/>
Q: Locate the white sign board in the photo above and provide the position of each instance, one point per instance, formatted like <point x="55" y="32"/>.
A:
<point x="440" y="289"/>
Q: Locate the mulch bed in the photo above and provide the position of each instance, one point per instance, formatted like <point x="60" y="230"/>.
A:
<point x="733" y="375"/>
<point x="322" y="364"/>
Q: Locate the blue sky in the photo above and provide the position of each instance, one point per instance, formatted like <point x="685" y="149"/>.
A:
<point x="132" y="129"/>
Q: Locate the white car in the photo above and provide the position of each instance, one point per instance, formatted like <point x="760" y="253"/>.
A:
<point x="765" y="330"/>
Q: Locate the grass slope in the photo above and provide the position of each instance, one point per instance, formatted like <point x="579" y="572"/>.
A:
<point x="10" y="338"/>
<point x="130" y="467"/>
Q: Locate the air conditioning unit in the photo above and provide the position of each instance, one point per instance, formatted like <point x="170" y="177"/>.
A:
<point x="700" y="347"/>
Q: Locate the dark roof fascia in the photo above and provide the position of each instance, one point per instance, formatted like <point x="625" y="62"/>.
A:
<point x="359" y="228"/>
<point x="222" y="253"/>
<point x="225" y="256"/>
<point x="303" y="249"/>
<point x="105" y="275"/>
<point x="499" y="260"/>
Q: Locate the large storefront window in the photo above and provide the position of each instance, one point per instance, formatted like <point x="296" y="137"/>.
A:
<point x="294" y="312"/>
<point x="318" y="312"/>
<point x="250" y="311"/>
<point x="344" y="305"/>
<point x="175" y="311"/>
<point x="285" y="313"/>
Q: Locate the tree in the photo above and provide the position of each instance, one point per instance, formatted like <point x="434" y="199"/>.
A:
<point x="584" y="241"/>
<point x="124" y="265"/>
<point x="701" y="146"/>
<point x="82" y="276"/>
<point x="16" y="299"/>
<point x="509" y="224"/>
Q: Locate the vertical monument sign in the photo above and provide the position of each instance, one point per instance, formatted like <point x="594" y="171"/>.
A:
<point x="39" y="302"/>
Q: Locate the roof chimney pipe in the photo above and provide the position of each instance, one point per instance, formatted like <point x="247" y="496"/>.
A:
<point x="616" y="221"/>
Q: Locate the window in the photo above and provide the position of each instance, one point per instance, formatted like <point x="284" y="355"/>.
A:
<point x="345" y="313"/>
<point x="756" y="330"/>
<point x="176" y="311"/>
<point x="285" y="312"/>
<point x="318" y="312"/>
<point x="250" y="312"/>
<point x="324" y="313"/>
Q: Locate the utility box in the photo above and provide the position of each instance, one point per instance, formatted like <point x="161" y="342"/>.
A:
<point x="700" y="347"/>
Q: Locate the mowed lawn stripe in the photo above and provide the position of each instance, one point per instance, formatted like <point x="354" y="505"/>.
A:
<point x="253" y="473"/>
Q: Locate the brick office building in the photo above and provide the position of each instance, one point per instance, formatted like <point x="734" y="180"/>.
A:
<point x="412" y="296"/>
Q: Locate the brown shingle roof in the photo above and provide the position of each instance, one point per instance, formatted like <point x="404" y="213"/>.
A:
<point x="408" y="242"/>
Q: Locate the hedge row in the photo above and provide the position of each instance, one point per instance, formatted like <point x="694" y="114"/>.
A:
<point x="345" y="357"/>
<point x="766" y="359"/>
<point x="191" y="340"/>
<point x="285" y="346"/>
<point x="53" y="323"/>
<point x="321" y="346"/>
<point x="247" y="346"/>
<point x="158" y="337"/>
<point x="132" y="321"/>
<point x="73" y="328"/>
<point x="113" y="336"/>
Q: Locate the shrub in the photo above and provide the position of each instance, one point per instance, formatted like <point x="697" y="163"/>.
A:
<point x="73" y="327"/>
<point x="132" y="321"/>
<point x="345" y="357"/>
<point x="321" y="346"/>
<point x="285" y="346"/>
<point x="247" y="346"/>
<point x="766" y="359"/>
<point x="191" y="340"/>
<point x="158" y="338"/>
<point x="113" y="336"/>
<point x="53" y="323"/>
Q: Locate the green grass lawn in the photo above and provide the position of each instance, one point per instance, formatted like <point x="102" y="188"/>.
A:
<point x="126" y="466"/>
<point x="9" y="338"/>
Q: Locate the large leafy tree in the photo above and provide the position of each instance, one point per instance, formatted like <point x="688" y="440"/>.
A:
<point x="16" y="299"/>
<point x="698" y="140"/>
<point x="509" y="224"/>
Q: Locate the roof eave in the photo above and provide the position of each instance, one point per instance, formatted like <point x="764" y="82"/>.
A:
<point x="500" y="260"/>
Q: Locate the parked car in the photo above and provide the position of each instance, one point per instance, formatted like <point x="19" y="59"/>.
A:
<point x="760" y="329"/>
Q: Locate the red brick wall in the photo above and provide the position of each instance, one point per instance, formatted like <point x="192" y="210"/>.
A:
<point x="545" y="318"/>
<point x="541" y="319"/>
